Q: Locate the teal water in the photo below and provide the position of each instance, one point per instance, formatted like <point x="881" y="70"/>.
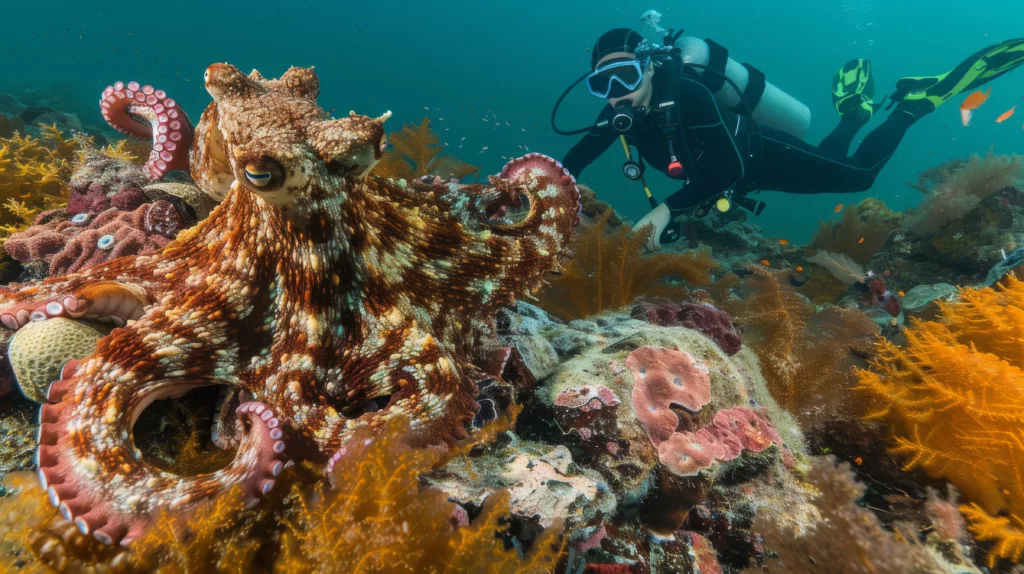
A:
<point x="510" y="60"/>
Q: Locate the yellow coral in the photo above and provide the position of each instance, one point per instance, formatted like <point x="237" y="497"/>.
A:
<point x="33" y="174"/>
<point x="610" y="270"/>
<point x="417" y="152"/>
<point x="954" y="398"/>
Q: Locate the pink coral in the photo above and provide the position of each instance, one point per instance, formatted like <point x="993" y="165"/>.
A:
<point x="731" y="432"/>
<point x="713" y="322"/>
<point x="101" y="181"/>
<point x="69" y="244"/>
<point x="663" y="378"/>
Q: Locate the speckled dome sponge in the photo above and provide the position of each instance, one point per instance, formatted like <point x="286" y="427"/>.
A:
<point x="39" y="350"/>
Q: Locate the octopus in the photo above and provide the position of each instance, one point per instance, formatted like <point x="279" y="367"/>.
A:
<point x="328" y="299"/>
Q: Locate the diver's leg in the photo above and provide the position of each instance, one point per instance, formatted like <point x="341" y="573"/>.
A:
<point x="791" y="165"/>
<point x="853" y="88"/>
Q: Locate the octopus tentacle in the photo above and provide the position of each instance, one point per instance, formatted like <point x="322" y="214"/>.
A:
<point x="107" y="301"/>
<point x="93" y="473"/>
<point x="146" y="113"/>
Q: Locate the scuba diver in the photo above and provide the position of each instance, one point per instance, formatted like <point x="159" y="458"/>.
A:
<point x="700" y="117"/>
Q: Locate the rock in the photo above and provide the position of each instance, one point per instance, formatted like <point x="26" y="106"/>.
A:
<point x="703" y="317"/>
<point x="544" y="483"/>
<point x="190" y="193"/>
<point x="919" y="296"/>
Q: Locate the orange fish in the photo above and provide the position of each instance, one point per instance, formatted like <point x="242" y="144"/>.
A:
<point x="783" y="242"/>
<point x="839" y="207"/>
<point x="972" y="103"/>
<point x="1005" y="115"/>
<point x="799" y="269"/>
<point x="901" y="293"/>
<point x="859" y="461"/>
<point x="861" y="240"/>
<point x="765" y="262"/>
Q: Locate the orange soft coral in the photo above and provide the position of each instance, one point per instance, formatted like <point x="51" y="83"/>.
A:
<point x="954" y="397"/>
<point x="417" y="152"/>
<point x="610" y="270"/>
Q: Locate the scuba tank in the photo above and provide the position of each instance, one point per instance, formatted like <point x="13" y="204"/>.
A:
<point x="776" y="109"/>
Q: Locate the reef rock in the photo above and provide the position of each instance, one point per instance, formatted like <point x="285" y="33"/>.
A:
<point x="100" y="182"/>
<point x="544" y="483"/>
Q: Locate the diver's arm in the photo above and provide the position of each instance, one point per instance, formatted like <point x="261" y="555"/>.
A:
<point x="589" y="148"/>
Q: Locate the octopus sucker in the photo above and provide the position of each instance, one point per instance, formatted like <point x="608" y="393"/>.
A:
<point x="325" y="298"/>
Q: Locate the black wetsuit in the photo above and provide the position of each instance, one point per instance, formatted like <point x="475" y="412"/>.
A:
<point x="729" y="151"/>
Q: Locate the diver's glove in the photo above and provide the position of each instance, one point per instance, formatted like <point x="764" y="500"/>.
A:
<point x="665" y="230"/>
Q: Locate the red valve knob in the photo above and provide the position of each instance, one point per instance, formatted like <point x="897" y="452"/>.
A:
<point x="675" y="169"/>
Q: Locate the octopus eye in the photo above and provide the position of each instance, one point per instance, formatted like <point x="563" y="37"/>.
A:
<point x="259" y="179"/>
<point x="265" y="174"/>
<point x="383" y="143"/>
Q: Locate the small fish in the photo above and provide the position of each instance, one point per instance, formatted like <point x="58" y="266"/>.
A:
<point x="463" y="139"/>
<point x="783" y="242"/>
<point x="859" y="461"/>
<point x="485" y="119"/>
<point x="838" y="208"/>
<point x="972" y="103"/>
<point x="901" y="294"/>
<point x="508" y="124"/>
<point x="526" y="147"/>
<point x="1005" y="115"/>
<point x="766" y="263"/>
<point x="426" y="107"/>
<point x="522" y="129"/>
<point x="485" y="148"/>
<point x="861" y="240"/>
<point x="799" y="269"/>
<point x="440" y="119"/>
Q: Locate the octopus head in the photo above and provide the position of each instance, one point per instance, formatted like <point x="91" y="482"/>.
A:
<point x="281" y="145"/>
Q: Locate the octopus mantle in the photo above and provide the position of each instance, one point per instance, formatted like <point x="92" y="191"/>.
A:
<point x="328" y="299"/>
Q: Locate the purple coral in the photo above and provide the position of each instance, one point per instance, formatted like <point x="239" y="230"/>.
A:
<point x="713" y="322"/>
<point x="101" y="182"/>
<point x="70" y="243"/>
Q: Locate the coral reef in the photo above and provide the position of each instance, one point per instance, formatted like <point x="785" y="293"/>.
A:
<point x="848" y="538"/>
<point x="960" y="188"/>
<point x="33" y="172"/>
<point x="416" y="152"/>
<point x="593" y="208"/>
<point x="806" y="353"/>
<point x="860" y="233"/>
<point x="357" y="298"/>
<point x="68" y="243"/>
<point x="715" y="323"/>
<point x="103" y="179"/>
<point x="954" y="397"/>
<point x="610" y="270"/>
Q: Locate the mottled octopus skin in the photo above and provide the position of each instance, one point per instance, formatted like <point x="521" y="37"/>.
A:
<point x="312" y="295"/>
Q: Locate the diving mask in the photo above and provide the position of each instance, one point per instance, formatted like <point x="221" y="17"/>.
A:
<point x="617" y="78"/>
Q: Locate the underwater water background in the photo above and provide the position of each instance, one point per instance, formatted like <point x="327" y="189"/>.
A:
<point x="508" y="61"/>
